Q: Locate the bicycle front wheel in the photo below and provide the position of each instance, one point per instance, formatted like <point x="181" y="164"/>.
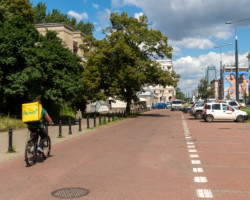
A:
<point x="30" y="153"/>
<point x="47" y="147"/>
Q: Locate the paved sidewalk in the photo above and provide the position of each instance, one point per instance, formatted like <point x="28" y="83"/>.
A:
<point x="20" y="137"/>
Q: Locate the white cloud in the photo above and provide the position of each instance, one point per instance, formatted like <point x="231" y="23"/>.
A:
<point x="104" y="16"/>
<point x="176" y="51"/>
<point x="192" y="69"/>
<point x="137" y="15"/>
<point x="78" y="16"/>
<point x="194" y="43"/>
<point x="180" y="19"/>
<point x="116" y="3"/>
<point x="95" y="5"/>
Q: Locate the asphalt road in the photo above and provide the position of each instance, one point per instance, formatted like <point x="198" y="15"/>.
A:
<point x="159" y="155"/>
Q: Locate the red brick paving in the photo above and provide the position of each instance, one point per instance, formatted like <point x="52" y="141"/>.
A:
<point x="142" y="158"/>
<point x="224" y="151"/>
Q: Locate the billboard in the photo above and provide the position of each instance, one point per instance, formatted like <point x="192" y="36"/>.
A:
<point x="230" y="84"/>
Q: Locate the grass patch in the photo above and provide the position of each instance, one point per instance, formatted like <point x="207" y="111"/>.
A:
<point x="6" y="122"/>
<point x="248" y="112"/>
<point x="14" y="150"/>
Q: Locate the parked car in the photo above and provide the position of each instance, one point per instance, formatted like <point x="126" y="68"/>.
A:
<point x="242" y="103"/>
<point x="176" y="105"/>
<point x="232" y="103"/>
<point x="160" y="106"/>
<point x="223" y="111"/>
<point x="197" y="110"/>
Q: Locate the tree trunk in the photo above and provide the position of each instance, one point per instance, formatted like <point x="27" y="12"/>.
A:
<point x="128" y="106"/>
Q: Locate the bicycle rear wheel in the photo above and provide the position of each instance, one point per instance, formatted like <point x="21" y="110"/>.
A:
<point x="30" y="153"/>
<point x="47" y="147"/>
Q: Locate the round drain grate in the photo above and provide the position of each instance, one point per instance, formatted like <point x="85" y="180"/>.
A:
<point x="72" y="192"/>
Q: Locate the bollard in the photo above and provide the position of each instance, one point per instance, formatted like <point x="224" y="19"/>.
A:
<point x="80" y="124"/>
<point x="60" y="129"/>
<point x="87" y="121"/>
<point x="10" y="149"/>
<point x="104" y="121"/>
<point x="70" y="131"/>
<point x="108" y="117"/>
<point x="113" y="116"/>
<point x="94" y="120"/>
<point x="46" y="128"/>
<point x="100" y="119"/>
<point x="119" y="115"/>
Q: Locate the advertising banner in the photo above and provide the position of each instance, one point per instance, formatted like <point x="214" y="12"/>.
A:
<point x="230" y="85"/>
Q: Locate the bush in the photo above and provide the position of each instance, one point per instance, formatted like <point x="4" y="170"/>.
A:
<point x="7" y="122"/>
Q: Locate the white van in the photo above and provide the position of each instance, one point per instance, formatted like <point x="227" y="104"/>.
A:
<point x="222" y="111"/>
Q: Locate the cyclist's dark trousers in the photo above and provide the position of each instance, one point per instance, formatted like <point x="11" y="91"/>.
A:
<point x="41" y="132"/>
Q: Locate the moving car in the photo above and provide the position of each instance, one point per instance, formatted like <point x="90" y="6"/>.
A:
<point x="160" y="106"/>
<point x="222" y="111"/>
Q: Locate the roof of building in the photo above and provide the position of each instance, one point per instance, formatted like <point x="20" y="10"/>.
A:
<point x="54" y="25"/>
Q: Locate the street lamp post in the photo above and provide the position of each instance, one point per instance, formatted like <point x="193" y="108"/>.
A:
<point x="221" y="79"/>
<point x="236" y="55"/>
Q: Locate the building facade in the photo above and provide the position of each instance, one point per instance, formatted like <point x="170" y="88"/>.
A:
<point x="167" y="93"/>
<point x="210" y="73"/>
<point x="71" y="38"/>
<point x="215" y="84"/>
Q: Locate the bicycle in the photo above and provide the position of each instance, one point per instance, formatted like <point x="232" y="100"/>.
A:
<point x="31" y="153"/>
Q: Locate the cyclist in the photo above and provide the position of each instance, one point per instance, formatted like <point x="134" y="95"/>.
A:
<point x="39" y="129"/>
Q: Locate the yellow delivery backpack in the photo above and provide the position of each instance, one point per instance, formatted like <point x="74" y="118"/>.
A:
<point x="32" y="112"/>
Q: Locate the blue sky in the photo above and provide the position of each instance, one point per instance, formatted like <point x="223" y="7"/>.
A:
<point x="193" y="28"/>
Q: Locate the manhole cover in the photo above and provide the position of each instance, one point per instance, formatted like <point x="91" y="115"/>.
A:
<point x="66" y="193"/>
<point x="224" y="128"/>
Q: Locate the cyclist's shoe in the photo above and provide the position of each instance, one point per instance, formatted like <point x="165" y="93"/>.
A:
<point x="40" y="149"/>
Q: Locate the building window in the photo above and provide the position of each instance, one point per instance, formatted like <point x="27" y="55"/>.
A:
<point x="75" y="47"/>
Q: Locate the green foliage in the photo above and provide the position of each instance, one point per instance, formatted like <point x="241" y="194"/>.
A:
<point x="40" y="12"/>
<point x="180" y="94"/>
<point x="204" y="89"/>
<point x="120" y="64"/>
<point x="48" y="70"/>
<point x="17" y="54"/>
<point x="13" y="8"/>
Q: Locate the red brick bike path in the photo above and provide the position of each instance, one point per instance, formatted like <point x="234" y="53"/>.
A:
<point x="223" y="148"/>
<point x="136" y="159"/>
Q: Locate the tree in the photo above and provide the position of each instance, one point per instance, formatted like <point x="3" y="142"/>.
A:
<point x="17" y="50"/>
<point x="40" y="12"/>
<point x="180" y="94"/>
<point x="204" y="89"/>
<point x="11" y="8"/>
<point x="121" y="64"/>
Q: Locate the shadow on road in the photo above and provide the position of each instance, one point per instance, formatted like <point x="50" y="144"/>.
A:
<point x="154" y="115"/>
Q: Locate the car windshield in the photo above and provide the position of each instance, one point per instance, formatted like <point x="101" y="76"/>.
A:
<point x="232" y="103"/>
<point x="241" y="100"/>
<point x="177" y="102"/>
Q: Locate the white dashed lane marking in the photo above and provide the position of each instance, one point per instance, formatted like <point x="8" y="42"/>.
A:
<point x="196" y="162"/>
<point x="201" y="193"/>
<point x="204" y="193"/>
<point x="194" y="156"/>
<point x="197" y="170"/>
<point x="200" y="179"/>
